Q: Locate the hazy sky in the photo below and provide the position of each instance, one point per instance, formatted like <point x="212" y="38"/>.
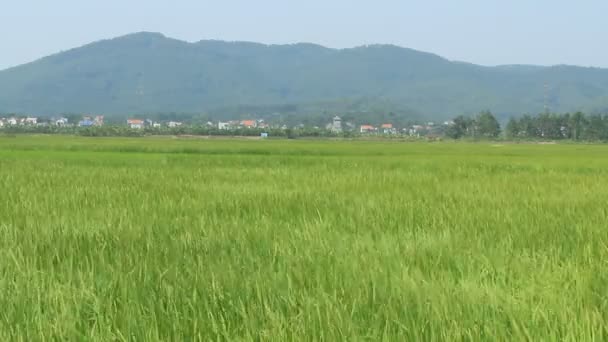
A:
<point x="485" y="32"/>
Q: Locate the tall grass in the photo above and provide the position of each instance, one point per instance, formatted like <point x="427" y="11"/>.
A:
<point x="168" y="239"/>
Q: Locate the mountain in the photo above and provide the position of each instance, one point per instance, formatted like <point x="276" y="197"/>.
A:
<point x="150" y="73"/>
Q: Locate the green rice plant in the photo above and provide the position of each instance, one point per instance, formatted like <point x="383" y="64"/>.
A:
<point x="196" y="239"/>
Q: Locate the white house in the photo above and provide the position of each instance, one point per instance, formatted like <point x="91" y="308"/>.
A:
<point x="223" y="125"/>
<point x="173" y="124"/>
<point x="1" y="123"/>
<point x="12" y="121"/>
<point x="135" y="123"/>
<point x="388" y="129"/>
<point x="61" y="122"/>
<point x="31" y="121"/>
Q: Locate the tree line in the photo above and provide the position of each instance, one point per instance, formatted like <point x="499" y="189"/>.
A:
<point x="551" y="126"/>
<point x="577" y="126"/>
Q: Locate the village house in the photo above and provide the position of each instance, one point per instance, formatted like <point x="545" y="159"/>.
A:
<point x="262" y="124"/>
<point x="156" y="124"/>
<point x="418" y="128"/>
<point x="61" y="122"/>
<point x="86" y="121"/>
<point x="249" y="123"/>
<point x="388" y="129"/>
<point x="135" y="123"/>
<point x="173" y="124"/>
<point x="223" y="125"/>
<point x="12" y="121"/>
<point x="1" y="123"/>
<point x="99" y="120"/>
<point x="31" y="121"/>
<point x="367" y="129"/>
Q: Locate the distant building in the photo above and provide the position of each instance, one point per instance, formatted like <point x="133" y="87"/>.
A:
<point x="61" y="122"/>
<point x="156" y="125"/>
<point x="249" y="123"/>
<point x="31" y="121"/>
<point x="1" y="123"/>
<point x="418" y="130"/>
<point x="337" y="123"/>
<point x="98" y="120"/>
<point x="12" y="121"/>
<point x="264" y="135"/>
<point x="223" y="125"/>
<point x="135" y="123"/>
<point x="367" y="129"/>
<point x="173" y="124"/>
<point x="388" y="129"/>
<point x="86" y="122"/>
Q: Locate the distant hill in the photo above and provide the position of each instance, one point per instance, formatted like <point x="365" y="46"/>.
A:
<point x="150" y="73"/>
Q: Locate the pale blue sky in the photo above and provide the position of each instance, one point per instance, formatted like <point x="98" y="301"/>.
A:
<point x="487" y="32"/>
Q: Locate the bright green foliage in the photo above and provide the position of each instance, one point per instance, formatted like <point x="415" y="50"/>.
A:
<point x="171" y="239"/>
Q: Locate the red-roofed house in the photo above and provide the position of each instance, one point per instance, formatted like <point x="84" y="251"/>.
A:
<point x="367" y="129"/>
<point x="249" y="123"/>
<point x="135" y="123"/>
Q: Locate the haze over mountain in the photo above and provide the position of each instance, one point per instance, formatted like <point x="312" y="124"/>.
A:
<point x="150" y="73"/>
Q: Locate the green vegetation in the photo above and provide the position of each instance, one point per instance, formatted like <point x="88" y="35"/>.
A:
<point x="577" y="126"/>
<point x="185" y="130"/>
<point x="146" y="73"/>
<point x="194" y="239"/>
<point x="484" y="125"/>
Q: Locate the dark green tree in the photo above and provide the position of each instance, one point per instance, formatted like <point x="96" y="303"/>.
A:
<point x="577" y="122"/>
<point x="460" y="128"/>
<point x="512" y="130"/>
<point x="486" y="125"/>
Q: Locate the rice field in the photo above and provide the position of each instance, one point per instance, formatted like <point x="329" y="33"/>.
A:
<point x="165" y="239"/>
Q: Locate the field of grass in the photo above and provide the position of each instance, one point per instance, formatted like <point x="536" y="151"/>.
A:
<point x="179" y="240"/>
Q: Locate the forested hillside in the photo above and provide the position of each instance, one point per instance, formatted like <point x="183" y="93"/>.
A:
<point x="150" y="73"/>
